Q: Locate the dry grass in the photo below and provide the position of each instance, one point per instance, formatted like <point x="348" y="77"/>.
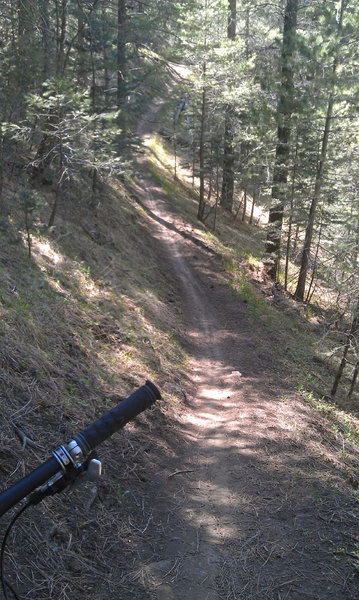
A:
<point x="83" y="323"/>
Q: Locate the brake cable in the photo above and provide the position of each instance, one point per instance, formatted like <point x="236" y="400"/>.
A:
<point x="75" y="460"/>
<point x="5" y="584"/>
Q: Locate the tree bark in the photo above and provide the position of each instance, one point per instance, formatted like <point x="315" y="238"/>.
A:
<point x="81" y="51"/>
<point x="284" y="115"/>
<point x="106" y="75"/>
<point x="45" y="34"/>
<point x="315" y="263"/>
<point x="121" y="56"/>
<point x="54" y="206"/>
<point x="193" y="158"/>
<point x="175" y="145"/>
<point x="295" y="243"/>
<point x="290" y="217"/>
<point x="61" y="34"/>
<point x="58" y="186"/>
<point x="228" y="151"/>
<point x="299" y="292"/>
<point x="252" y="209"/>
<point x="26" y="17"/>
<point x="201" y="204"/>
<point x="354" y="380"/>
<point x="28" y="233"/>
<point x="217" y="194"/>
<point x="244" y="206"/>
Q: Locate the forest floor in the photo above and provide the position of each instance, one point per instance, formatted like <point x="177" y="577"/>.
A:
<point x="247" y="498"/>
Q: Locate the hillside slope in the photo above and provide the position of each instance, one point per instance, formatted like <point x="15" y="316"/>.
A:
<point x="83" y="323"/>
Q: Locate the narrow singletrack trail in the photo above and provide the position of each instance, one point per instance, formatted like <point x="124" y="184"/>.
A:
<point x="245" y="501"/>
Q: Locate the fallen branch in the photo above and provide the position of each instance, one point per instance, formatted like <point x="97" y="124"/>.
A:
<point x="178" y="472"/>
<point x="24" y="439"/>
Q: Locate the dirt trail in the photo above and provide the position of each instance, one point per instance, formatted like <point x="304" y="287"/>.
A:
<point x="248" y="507"/>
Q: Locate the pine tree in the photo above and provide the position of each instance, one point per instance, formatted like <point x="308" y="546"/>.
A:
<point x="229" y="123"/>
<point x="285" y="109"/>
<point x="300" y="290"/>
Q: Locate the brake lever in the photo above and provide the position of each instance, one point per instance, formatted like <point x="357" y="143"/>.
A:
<point x="92" y="472"/>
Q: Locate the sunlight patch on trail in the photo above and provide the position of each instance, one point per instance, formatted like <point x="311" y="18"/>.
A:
<point x="214" y="393"/>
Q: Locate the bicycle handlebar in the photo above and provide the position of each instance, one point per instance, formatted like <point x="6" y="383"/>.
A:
<point x="28" y="484"/>
<point x="116" y="418"/>
<point x="71" y="455"/>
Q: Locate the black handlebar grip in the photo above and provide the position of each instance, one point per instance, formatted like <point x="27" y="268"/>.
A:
<point x="116" y="418"/>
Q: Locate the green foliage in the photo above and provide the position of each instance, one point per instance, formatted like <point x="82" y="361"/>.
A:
<point x="71" y="137"/>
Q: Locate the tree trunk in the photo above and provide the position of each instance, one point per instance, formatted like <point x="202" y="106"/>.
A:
<point x="58" y="187"/>
<point x="54" y="207"/>
<point x="43" y="155"/>
<point x="93" y="68"/>
<point x="217" y="194"/>
<point x="280" y="174"/>
<point x="315" y="261"/>
<point x="175" y="146"/>
<point x="201" y="204"/>
<point x="228" y="155"/>
<point x="81" y="50"/>
<point x="106" y="75"/>
<point x="347" y="345"/>
<point x="252" y="209"/>
<point x="193" y="159"/>
<point x="356" y="245"/>
<point x="290" y="217"/>
<point x="295" y="243"/>
<point x="94" y="180"/>
<point x="61" y="24"/>
<point x="354" y="380"/>
<point x="28" y="233"/>
<point x="26" y="16"/>
<point x="300" y="290"/>
<point x="45" y="34"/>
<point x="244" y="205"/>
<point x="246" y="33"/>
<point x="288" y="245"/>
<point x="238" y="207"/>
<point x="121" y="56"/>
<point x="228" y="160"/>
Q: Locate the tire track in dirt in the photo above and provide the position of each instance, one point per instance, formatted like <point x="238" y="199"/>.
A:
<point x="211" y="387"/>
